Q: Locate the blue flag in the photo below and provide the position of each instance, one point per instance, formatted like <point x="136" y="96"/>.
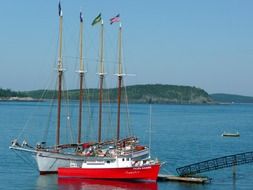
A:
<point x="81" y="17"/>
<point x="59" y="9"/>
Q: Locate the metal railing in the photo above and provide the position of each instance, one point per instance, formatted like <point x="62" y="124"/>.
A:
<point x="215" y="164"/>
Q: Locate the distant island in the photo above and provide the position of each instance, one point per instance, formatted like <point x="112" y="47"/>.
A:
<point x="9" y="95"/>
<point x="155" y="93"/>
<point x="231" y="98"/>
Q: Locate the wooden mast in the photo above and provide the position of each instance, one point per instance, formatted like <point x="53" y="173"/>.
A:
<point x="81" y="72"/>
<point x="120" y="74"/>
<point x="60" y="72"/>
<point x="101" y="79"/>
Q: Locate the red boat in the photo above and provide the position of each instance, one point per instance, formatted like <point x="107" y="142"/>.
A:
<point x="118" y="168"/>
<point x="120" y="161"/>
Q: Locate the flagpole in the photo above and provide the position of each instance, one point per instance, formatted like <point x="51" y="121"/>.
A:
<point x="60" y="73"/>
<point x="81" y="72"/>
<point x="101" y="76"/>
<point x="119" y="80"/>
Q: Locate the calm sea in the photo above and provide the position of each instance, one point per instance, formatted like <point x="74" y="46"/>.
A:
<point x="180" y="135"/>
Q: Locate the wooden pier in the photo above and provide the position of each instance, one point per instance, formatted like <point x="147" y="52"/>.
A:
<point x="164" y="177"/>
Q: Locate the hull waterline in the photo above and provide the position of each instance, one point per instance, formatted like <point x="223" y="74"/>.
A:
<point x="129" y="173"/>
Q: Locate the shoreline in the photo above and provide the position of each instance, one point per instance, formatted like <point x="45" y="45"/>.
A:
<point x="20" y="99"/>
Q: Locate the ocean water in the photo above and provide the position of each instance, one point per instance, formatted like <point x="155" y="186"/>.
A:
<point x="180" y="135"/>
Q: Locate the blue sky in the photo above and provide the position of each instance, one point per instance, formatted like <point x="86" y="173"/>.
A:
<point x="207" y="44"/>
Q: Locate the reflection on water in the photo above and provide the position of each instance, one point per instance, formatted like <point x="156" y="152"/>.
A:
<point x="77" y="183"/>
<point x="234" y="180"/>
<point x="53" y="182"/>
<point x="46" y="182"/>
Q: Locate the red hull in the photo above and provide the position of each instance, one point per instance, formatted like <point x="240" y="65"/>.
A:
<point x="133" y="173"/>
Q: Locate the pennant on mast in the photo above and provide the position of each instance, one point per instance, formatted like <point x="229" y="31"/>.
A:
<point x="97" y="19"/>
<point x="59" y="9"/>
<point x="115" y="19"/>
<point x="81" y="16"/>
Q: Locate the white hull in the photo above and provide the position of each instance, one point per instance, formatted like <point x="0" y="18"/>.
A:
<point x="49" y="161"/>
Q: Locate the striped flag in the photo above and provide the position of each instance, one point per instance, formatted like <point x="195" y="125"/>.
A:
<point x="96" y="20"/>
<point x="59" y="9"/>
<point x="81" y="16"/>
<point x="115" y="19"/>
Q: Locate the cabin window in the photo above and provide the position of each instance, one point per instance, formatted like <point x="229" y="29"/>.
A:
<point x="108" y="162"/>
<point x="123" y="159"/>
<point x="127" y="159"/>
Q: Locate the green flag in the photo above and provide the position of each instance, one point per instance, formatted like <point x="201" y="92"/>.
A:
<point x="97" y="20"/>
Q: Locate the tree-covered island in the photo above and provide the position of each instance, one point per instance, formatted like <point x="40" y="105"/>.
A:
<point x="157" y="93"/>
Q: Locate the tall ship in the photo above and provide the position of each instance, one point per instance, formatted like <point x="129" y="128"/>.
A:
<point x="58" y="155"/>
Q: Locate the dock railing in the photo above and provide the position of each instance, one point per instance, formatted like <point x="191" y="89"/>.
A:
<point x="215" y="164"/>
